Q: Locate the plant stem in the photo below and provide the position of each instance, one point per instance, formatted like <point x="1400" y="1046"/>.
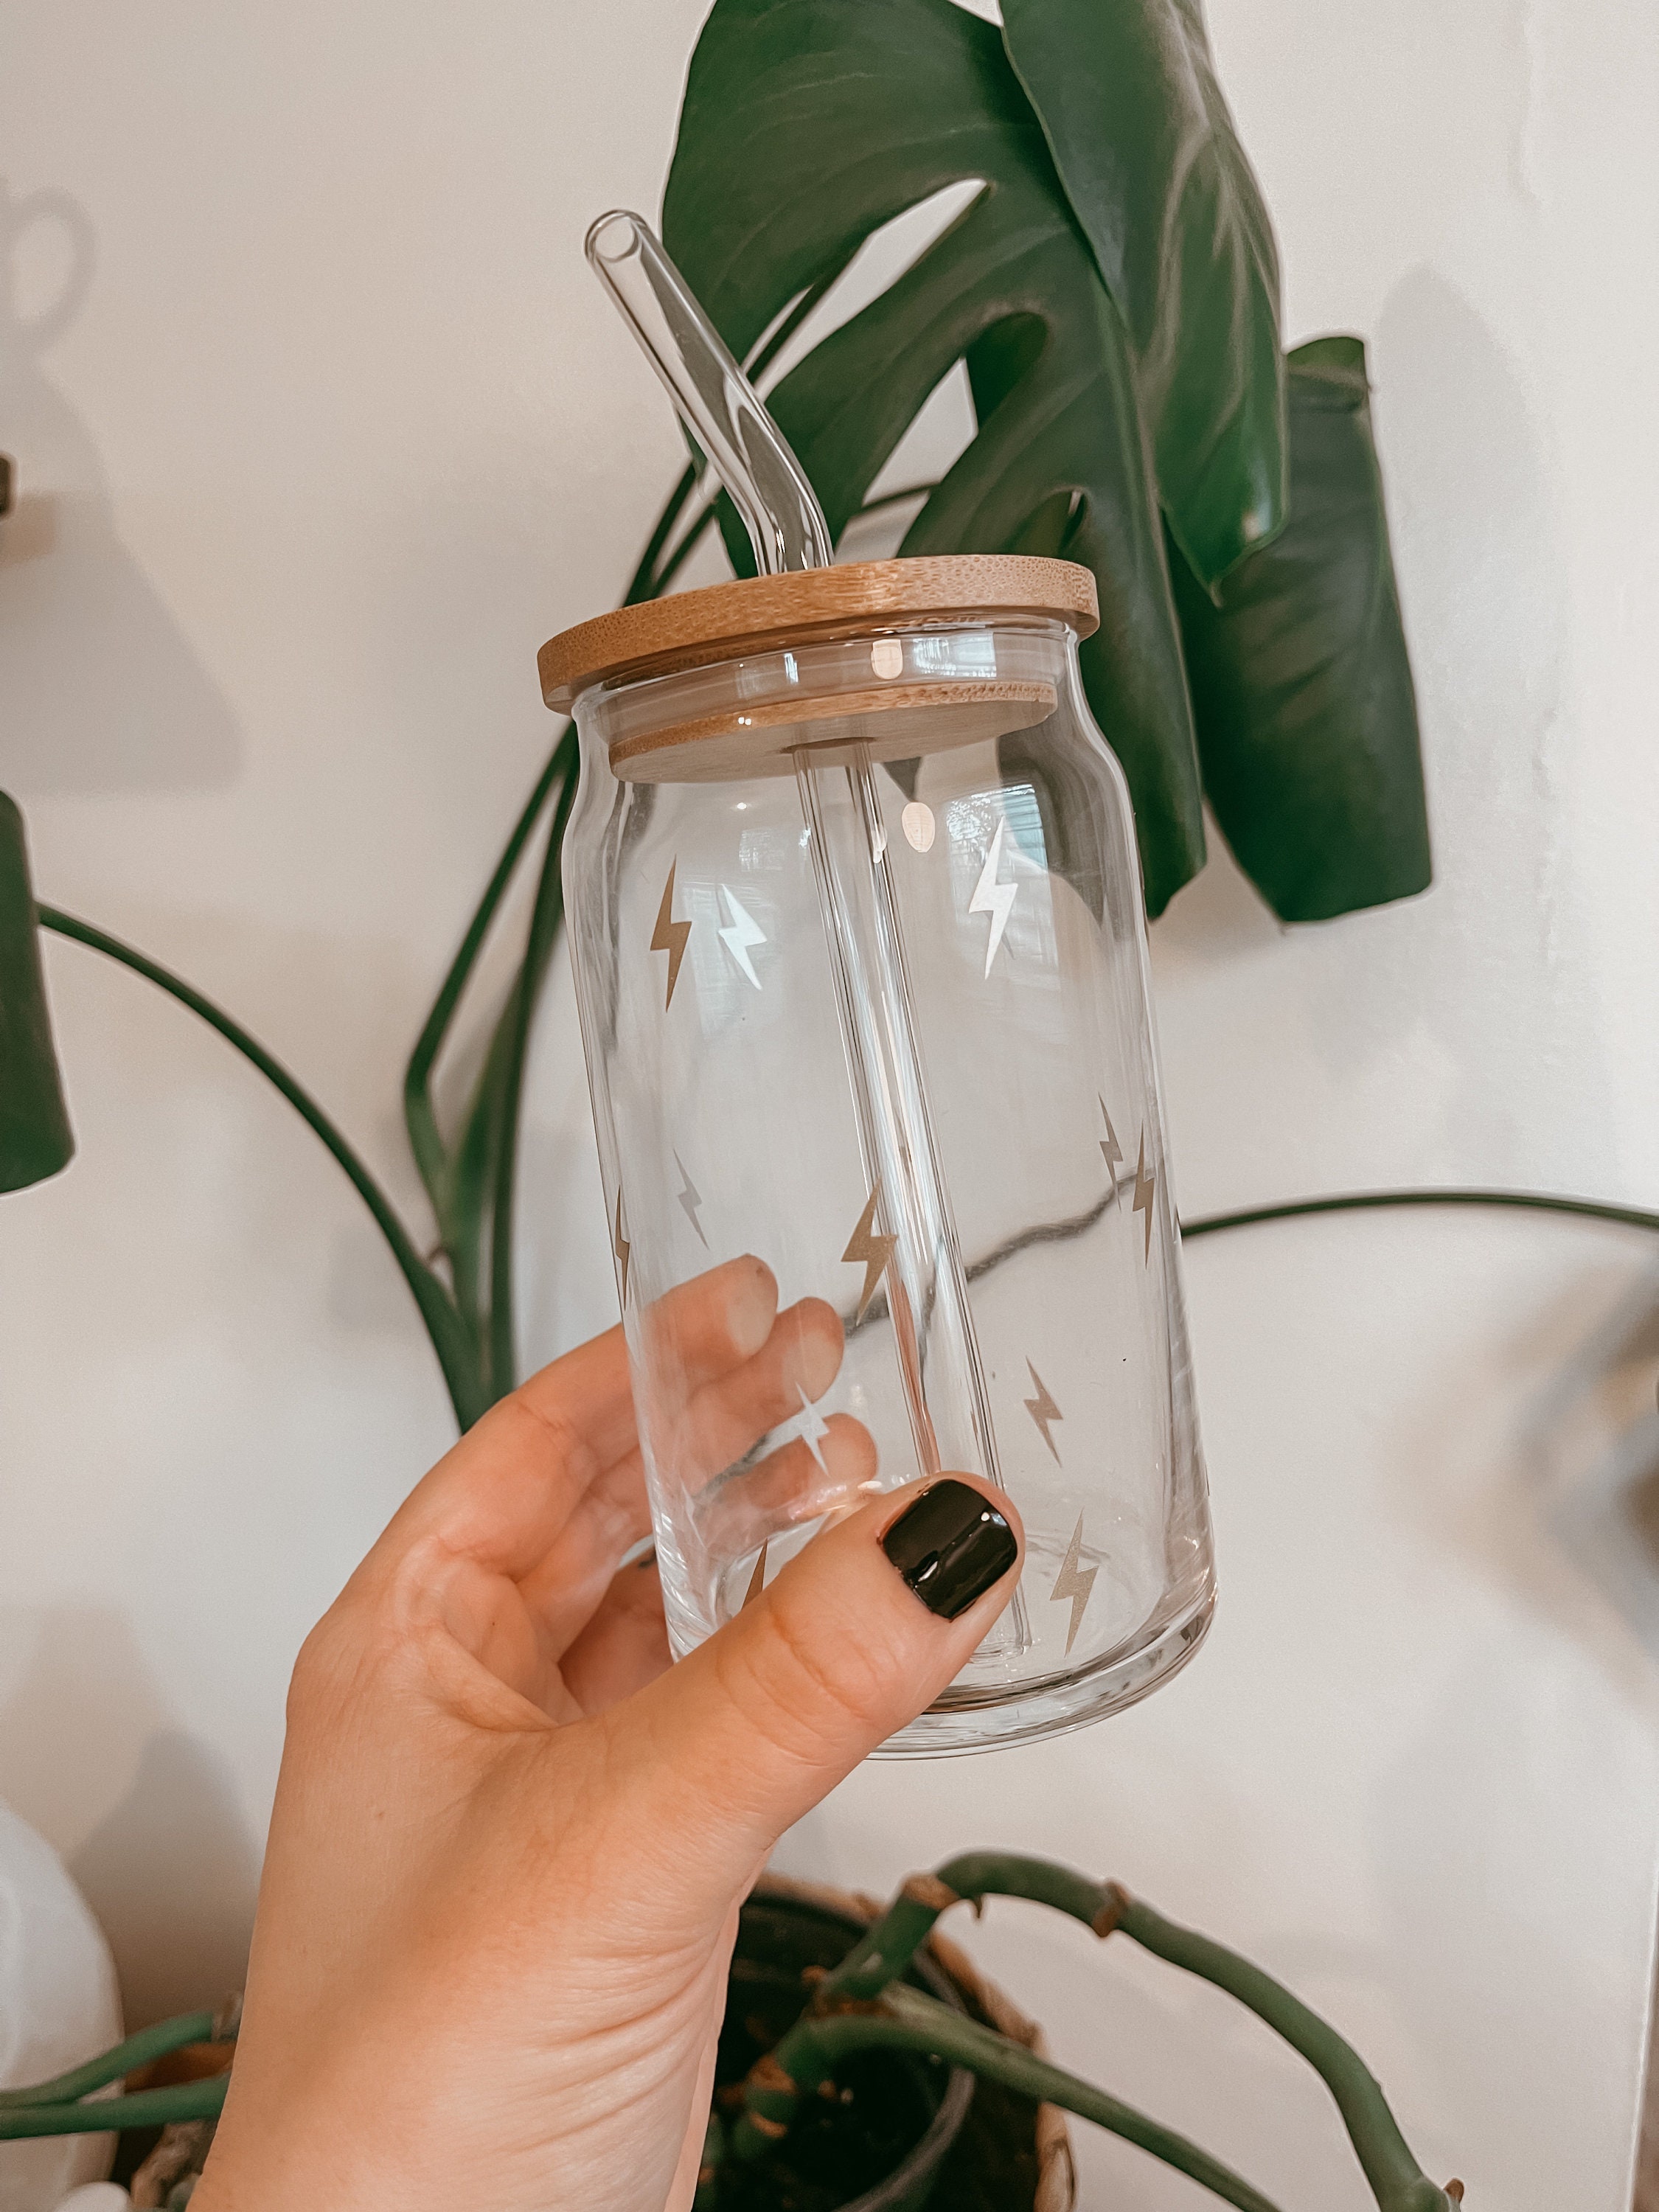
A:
<point x="1397" y="2181"/>
<point x="873" y="1967"/>
<point x="431" y="1155"/>
<point x="450" y="1340"/>
<point x="885" y="1951"/>
<point x="643" y="584"/>
<point x="545" y="918"/>
<point x="146" y="2108"/>
<point x="909" y="2019"/>
<point x="149" y="2042"/>
<point x="1628" y="1217"/>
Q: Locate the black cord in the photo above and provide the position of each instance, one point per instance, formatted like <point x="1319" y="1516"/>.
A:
<point x="1627" y="1217"/>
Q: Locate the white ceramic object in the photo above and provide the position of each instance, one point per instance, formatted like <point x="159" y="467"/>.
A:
<point x="97" y="2197"/>
<point x="58" y="2005"/>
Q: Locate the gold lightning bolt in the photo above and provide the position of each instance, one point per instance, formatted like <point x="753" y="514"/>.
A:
<point x="1074" y="1584"/>
<point x="757" y="1580"/>
<point x="622" y="1248"/>
<point x="669" y="936"/>
<point x="690" y="1198"/>
<point x="1145" y="1186"/>
<point x="1111" y="1152"/>
<point x="1042" y="1410"/>
<point x="864" y="1244"/>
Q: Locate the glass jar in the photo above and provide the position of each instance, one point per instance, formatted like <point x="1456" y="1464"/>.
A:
<point x="856" y="920"/>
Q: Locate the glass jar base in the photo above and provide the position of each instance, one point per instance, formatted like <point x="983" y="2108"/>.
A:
<point x="988" y="1722"/>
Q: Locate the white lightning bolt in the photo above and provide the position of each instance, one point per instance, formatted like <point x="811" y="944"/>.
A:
<point x="990" y="896"/>
<point x="1071" y="1583"/>
<point x="743" y="932"/>
<point x="812" y="1428"/>
<point x="1043" y="1409"/>
<point x="690" y="1198"/>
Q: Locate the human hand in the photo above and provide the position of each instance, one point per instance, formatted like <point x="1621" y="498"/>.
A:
<point x="509" y="1842"/>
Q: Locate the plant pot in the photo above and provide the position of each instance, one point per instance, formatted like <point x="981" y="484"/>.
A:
<point x="903" y="2129"/>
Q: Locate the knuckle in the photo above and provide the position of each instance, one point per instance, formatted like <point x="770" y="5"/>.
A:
<point x="807" y="1695"/>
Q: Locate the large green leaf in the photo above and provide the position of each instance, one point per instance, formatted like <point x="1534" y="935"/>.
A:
<point x="35" y="1139"/>
<point x="1307" y="719"/>
<point x="807" y="125"/>
<point x="1144" y="146"/>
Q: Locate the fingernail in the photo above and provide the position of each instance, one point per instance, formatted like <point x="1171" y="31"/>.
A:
<point x="950" y="1546"/>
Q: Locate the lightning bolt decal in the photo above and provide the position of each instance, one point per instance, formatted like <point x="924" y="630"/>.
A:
<point x="991" y="897"/>
<point x="1042" y="1410"/>
<point x="669" y="936"/>
<point x="622" y="1248"/>
<point x="743" y="932"/>
<point x="1074" y="1584"/>
<point x="757" y="1580"/>
<point x="812" y="1428"/>
<point x="1146" y="1185"/>
<point x="1111" y="1152"/>
<point x="874" y="1251"/>
<point x="690" y="1198"/>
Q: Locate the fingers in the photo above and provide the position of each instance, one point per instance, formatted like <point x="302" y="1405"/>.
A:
<point x="709" y="1326"/>
<point x="508" y="1488"/>
<point x="857" y="1635"/>
<point x="717" y="1425"/>
<point x="798" y="1360"/>
<point x="788" y="1488"/>
<point x="623" y="1646"/>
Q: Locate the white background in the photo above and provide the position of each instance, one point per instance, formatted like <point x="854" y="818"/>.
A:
<point x="330" y="431"/>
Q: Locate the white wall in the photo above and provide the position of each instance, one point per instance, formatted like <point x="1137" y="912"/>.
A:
<point x="329" y="431"/>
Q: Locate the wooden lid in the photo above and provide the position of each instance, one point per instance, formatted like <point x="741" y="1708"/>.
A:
<point x="760" y="614"/>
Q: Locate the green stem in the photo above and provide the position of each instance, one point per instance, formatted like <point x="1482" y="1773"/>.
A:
<point x="911" y="2021"/>
<point x="1590" y="1209"/>
<point x="885" y="1952"/>
<point x="149" y="2042"/>
<point x="545" y="921"/>
<point x="431" y="1155"/>
<point x="644" y="584"/>
<point x="450" y="1340"/>
<point x="681" y="554"/>
<point x="146" y="2108"/>
<point x="1397" y="2181"/>
<point x="872" y="1970"/>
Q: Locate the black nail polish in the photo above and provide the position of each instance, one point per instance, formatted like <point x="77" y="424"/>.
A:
<point x="950" y="1546"/>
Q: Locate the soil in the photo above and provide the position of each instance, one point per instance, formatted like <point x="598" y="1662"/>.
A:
<point x="840" y="2147"/>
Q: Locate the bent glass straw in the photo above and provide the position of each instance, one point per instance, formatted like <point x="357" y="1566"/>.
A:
<point x="928" y="1295"/>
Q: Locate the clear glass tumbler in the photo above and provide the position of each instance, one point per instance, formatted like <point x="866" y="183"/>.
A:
<point x="856" y="920"/>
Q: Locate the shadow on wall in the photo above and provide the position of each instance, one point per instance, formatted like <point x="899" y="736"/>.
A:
<point x="168" y="1868"/>
<point x="1470" y="476"/>
<point x="1589" y="1462"/>
<point x="1572" y="1528"/>
<point x="99" y="689"/>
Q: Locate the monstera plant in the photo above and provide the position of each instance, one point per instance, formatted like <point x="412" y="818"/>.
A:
<point x="1111" y="287"/>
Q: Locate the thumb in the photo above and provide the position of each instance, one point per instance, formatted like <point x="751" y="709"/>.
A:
<point x="858" y="1635"/>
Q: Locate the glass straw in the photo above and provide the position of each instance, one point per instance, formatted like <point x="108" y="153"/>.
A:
<point x="937" y="1348"/>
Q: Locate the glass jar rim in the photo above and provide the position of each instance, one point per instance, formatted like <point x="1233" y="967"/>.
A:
<point x="907" y="688"/>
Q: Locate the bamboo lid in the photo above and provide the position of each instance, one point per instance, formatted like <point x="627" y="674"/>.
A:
<point x="761" y="614"/>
